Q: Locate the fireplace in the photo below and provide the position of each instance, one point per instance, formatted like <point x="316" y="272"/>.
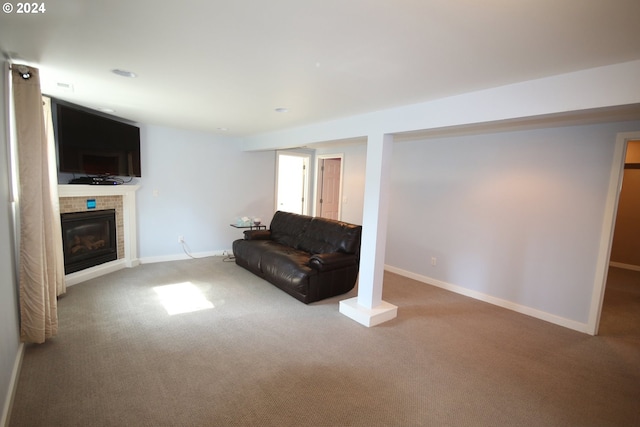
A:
<point x="89" y="239"/>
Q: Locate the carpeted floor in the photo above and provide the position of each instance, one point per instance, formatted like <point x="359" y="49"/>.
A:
<point x="258" y="357"/>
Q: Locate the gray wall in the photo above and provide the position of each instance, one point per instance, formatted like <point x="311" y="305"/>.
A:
<point x="516" y="216"/>
<point x="195" y="184"/>
<point x="9" y="336"/>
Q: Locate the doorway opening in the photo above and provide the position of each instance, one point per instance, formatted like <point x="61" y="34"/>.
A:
<point x="620" y="314"/>
<point x="329" y="186"/>
<point x="292" y="182"/>
<point x="608" y="229"/>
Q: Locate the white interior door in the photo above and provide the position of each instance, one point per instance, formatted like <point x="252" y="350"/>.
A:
<point x="292" y="183"/>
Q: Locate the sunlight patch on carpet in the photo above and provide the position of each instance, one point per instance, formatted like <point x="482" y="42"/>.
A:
<point x="181" y="298"/>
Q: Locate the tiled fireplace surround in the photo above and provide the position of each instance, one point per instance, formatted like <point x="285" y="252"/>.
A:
<point x="122" y="198"/>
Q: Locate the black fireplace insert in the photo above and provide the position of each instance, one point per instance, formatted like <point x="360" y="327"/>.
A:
<point x="89" y="239"/>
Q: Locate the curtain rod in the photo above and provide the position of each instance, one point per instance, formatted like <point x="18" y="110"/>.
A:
<point x="24" y="70"/>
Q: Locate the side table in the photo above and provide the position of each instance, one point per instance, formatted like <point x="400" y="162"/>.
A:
<point x="252" y="227"/>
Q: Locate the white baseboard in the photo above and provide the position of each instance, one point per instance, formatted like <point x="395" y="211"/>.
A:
<point x="13" y="385"/>
<point x="625" y="266"/>
<point x="538" y="314"/>
<point x="178" y="257"/>
<point x="97" y="271"/>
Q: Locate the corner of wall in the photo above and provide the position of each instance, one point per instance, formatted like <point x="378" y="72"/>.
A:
<point x="13" y="385"/>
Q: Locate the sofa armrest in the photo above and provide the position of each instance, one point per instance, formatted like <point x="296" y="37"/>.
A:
<point x="332" y="261"/>
<point x="257" y="235"/>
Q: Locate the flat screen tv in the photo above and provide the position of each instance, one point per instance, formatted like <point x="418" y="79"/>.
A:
<point x="91" y="143"/>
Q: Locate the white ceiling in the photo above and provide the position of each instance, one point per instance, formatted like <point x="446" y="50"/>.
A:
<point x="211" y="64"/>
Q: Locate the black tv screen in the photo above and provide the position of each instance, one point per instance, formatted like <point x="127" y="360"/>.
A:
<point x="90" y="143"/>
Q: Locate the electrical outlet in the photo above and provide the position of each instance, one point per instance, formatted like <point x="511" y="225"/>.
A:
<point x="180" y="239"/>
<point x="434" y="261"/>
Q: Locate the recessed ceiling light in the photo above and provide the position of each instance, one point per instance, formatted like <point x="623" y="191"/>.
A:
<point x="107" y="110"/>
<point x="124" y="73"/>
<point x="282" y="110"/>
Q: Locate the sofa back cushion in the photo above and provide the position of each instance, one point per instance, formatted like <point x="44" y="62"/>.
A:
<point x="328" y="236"/>
<point x="287" y="228"/>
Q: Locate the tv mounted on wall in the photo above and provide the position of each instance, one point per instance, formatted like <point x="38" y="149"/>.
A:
<point x="91" y="143"/>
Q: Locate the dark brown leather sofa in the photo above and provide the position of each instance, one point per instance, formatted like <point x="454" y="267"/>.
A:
<point x="310" y="258"/>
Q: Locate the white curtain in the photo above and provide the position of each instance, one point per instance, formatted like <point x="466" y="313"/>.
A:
<point x="61" y="287"/>
<point x="41" y="271"/>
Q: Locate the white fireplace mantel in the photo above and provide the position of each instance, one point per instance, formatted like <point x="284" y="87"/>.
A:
<point x="128" y="193"/>
<point x="81" y="190"/>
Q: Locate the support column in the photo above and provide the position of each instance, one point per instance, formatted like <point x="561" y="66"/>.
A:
<point x="368" y="308"/>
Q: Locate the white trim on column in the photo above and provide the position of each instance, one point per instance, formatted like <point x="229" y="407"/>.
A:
<point x="368" y="308"/>
<point x="368" y="316"/>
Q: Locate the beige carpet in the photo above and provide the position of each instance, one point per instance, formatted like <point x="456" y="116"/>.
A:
<point x="260" y="358"/>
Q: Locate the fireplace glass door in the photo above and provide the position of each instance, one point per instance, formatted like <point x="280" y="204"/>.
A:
<point x="89" y="239"/>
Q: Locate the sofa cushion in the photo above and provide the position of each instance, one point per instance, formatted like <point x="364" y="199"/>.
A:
<point x="324" y="235"/>
<point x="287" y="266"/>
<point x="287" y="228"/>
<point x="249" y="253"/>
